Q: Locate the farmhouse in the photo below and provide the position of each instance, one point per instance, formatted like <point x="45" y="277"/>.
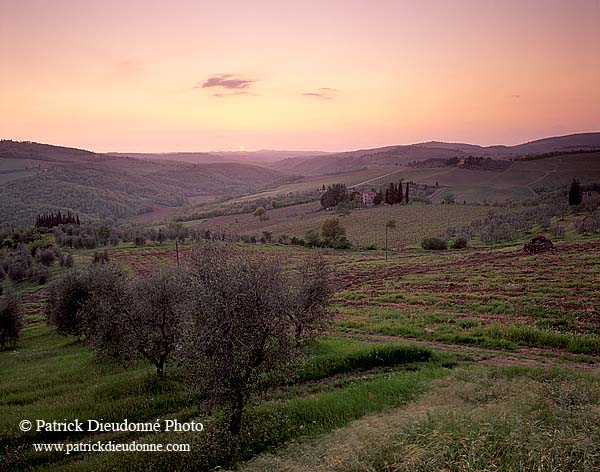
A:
<point x="368" y="199"/>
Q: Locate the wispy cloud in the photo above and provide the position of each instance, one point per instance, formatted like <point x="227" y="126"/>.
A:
<point x="323" y="93"/>
<point x="226" y="81"/>
<point x="231" y="94"/>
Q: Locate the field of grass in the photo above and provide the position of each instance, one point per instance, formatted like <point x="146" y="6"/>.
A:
<point x="507" y="418"/>
<point x="364" y="227"/>
<point x="485" y="360"/>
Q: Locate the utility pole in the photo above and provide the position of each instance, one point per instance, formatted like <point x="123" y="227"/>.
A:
<point x="389" y="224"/>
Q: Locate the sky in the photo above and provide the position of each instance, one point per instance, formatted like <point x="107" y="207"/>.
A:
<point x="150" y="76"/>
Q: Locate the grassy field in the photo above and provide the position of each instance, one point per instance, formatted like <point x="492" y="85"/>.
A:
<point x="364" y="227"/>
<point x="504" y="418"/>
<point x="484" y="360"/>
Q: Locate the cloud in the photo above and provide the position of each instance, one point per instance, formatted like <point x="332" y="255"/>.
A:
<point x="323" y="93"/>
<point x="231" y="94"/>
<point x="226" y="81"/>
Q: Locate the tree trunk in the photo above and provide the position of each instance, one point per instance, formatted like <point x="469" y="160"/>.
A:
<point x="235" y="424"/>
<point x="160" y="369"/>
<point x="386" y="230"/>
<point x="298" y="334"/>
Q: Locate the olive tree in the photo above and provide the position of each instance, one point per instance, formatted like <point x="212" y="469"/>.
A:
<point x="11" y="320"/>
<point x="66" y="298"/>
<point x="310" y="291"/>
<point x="240" y="333"/>
<point x="128" y="317"/>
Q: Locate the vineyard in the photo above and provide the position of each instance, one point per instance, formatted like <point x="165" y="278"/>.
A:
<point x="364" y="227"/>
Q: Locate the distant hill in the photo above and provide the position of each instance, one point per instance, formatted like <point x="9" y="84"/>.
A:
<point x="402" y="155"/>
<point x="39" y="178"/>
<point x="250" y="157"/>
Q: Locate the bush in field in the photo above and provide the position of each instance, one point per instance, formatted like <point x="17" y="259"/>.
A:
<point x="297" y="241"/>
<point x="11" y="320"/>
<point x="340" y="243"/>
<point x="132" y="317"/>
<point x="312" y="238"/>
<point x="260" y="212"/>
<point x="46" y="256"/>
<point x="334" y="234"/>
<point x="66" y="298"/>
<point x="69" y="262"/>
<point x="38" y="273"/>
<point x="434" y="244"/>
<point x="17" y="269"/>
<point x="240" y="335"/>
<point x="139" y="240"/>
<point x="589" y="224"/>
<point x="332" y="229"/>
<point x="101" y="257"/>
<point x="459" y="243"/>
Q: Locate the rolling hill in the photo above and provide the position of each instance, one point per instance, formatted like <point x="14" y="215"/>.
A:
<point x="402" y="155"/>
<point x="249" y="157"/>
<point x="38" y="177"/>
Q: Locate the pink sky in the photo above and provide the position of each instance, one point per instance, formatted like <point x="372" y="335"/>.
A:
<point x="328" y="75"/>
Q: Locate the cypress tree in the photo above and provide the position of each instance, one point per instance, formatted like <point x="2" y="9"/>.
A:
<point x="575" y="195"/>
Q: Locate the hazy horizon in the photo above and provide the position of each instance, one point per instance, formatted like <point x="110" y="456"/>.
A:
<point x="133" y="76"/>
<point x="216" y="151"/>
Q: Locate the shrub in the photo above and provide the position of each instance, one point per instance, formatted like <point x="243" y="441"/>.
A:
<point x="340" y="243"/>
<point x="11" y="320"/>
<point x="312" y="238"/>
<point x="38" y="273"/>
<point x="46" y="256"/>
<point x="69" y="262"/>
<point x="297" y="241"/>
<point x="140" y="240"/>
<point x="101" y="257"/>
<point x="434" y="244"/>
<point x="332" y="229"/>
<point x="17" y="269"/>
<point x="459" y="243"/>
<point x="589" y="224"/>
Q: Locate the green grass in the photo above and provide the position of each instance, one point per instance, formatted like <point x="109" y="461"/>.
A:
<point x="492" y="419"/>
<point x="49" y="376"/>
<point x="335" y="356"/>
<point x="53" y="377"/>
<point x="270" y="424"/>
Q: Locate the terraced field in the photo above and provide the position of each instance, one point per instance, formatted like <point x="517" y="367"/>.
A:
<point x="501" y="300"/>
